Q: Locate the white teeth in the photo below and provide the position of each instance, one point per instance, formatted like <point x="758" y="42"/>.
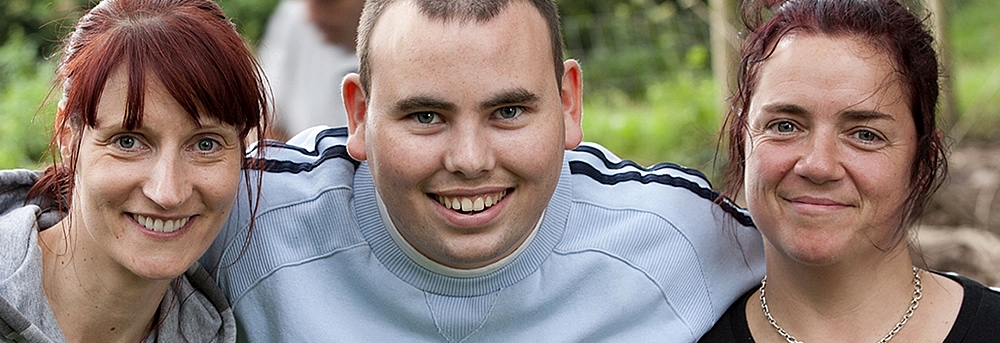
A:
<point x="471" y="204"/>
<point x="160" y="225"/>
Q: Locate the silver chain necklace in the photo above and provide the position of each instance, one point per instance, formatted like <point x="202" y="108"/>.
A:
<point x="906" y="317"/>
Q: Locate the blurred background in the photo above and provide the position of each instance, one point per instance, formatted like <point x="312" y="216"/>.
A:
<point x="655" y="79"/>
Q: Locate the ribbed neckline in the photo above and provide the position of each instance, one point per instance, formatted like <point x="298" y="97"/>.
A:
<point x="391" y="256"/>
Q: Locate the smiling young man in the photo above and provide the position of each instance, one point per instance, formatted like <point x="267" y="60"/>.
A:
<point x="451" y="210"/>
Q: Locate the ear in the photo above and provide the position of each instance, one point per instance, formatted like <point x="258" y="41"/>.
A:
<point x="357" y="111"/>
<point x="64" y="137"/>
<point x="572" y="102"/>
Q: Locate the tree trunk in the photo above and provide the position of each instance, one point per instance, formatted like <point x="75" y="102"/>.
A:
<point x="939" y="15"/>
<point x="724" y="47"/>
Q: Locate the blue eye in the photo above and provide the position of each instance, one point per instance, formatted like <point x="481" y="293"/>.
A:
<point x="126" y="142"/>
<point x="866" y="135"/>
<point x="785" y="127"/>
<point x="425" y="117"/>
<point x="509" y="112"/>
<point x="207" y="144"/>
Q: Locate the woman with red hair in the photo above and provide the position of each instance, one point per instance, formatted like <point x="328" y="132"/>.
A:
<point x="158" y="98"/>
<point x="833" y="139"/>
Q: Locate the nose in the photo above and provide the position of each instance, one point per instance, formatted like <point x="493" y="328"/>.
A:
<point x="820" y="161"/>
<point x="469" y="151"/>
<point x="168" y="185"/>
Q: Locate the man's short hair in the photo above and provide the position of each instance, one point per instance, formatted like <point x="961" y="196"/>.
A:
<point x="462" y="10"/>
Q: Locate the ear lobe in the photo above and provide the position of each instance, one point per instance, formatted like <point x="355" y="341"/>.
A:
<point x="572" y="102"/>
<point x="357" y="111"/>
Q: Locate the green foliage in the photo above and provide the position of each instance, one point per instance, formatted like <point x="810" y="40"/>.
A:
<point x="975" y="73"/>
<point x="25" y="84"/>
<point x="677" y="122"/>
<point x="250" y="16"/>
<point x="629" y="45"/>
<point x="973" y="30"/>
<point x="42" y="23"/>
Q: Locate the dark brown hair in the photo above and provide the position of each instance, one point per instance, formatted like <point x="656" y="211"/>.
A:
<point x="886" y="25"/>
<point x="463" y="10"/>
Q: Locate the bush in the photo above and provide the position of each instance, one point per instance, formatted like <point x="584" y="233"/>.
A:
<point x="23" y="124"/>
<point x="677" y="123"/>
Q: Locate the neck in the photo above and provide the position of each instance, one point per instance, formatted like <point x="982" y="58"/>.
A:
<point x="816" y="303"/>
<point x="95" y="299"/>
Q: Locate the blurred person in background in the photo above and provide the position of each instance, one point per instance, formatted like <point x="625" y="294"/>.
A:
<point x="306" y="51"/>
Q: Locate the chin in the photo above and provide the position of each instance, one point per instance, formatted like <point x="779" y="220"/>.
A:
<point x="161" y="269"/>
<point x="818" y="255"/>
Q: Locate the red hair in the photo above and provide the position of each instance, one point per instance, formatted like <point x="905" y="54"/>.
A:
<point x="189" y="45"/>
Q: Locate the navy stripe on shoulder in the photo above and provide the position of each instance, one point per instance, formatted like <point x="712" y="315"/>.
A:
<point x="583" y="168"/>
<point x="280" y="166"/>
<point x="326" y="133"/>
<point x="626" y="163"/>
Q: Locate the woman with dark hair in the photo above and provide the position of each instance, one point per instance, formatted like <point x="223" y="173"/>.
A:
<point x="158" y="98"/>
<point x="833" y="141"/>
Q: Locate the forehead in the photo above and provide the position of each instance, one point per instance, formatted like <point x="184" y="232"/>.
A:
<point x="509" y="50"/>
<point x="157" y="103"/>
<point x="829" y="68"/>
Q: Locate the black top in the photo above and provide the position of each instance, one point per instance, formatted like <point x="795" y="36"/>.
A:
<point x="978" y="320"/>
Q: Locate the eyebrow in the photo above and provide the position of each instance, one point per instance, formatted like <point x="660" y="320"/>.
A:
<point x="784" y="108"/>
<point x="856" y="115"/>
<point x="866" y="115"/>
<point x="505" y="97"/>
<point x="510" y="97"/>
<point x="422" y="102"/>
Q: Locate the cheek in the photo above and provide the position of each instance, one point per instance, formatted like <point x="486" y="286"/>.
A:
<point x="532" y="158"/>
<point x="399" y="161"/>
<point x="104" y="185"/>
<point x="219" y="185"/>
<point x="886" y="186"/>
<point x="766" y="166"/>
<point x="759" y="168"/>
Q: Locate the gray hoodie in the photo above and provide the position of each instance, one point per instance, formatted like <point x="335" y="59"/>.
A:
<point x="193" y="310"/>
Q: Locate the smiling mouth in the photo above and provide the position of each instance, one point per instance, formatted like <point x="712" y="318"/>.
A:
<point x="159" y="225"/>
<point x="469" y="205"/>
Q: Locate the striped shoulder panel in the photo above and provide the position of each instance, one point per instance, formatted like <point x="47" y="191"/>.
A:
<point x="304" y="152"/>
<point x="613" y="162"/>
<point x="602" y="166"/>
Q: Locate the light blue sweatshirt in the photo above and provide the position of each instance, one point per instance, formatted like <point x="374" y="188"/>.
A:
<point x="622" y="254"/>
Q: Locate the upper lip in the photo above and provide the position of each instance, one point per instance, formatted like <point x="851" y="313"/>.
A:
<point x="161" y="217"/>
<point x="471" y="193"/>
<point x="470" y="201"/>
<point x="816" y="201"/>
